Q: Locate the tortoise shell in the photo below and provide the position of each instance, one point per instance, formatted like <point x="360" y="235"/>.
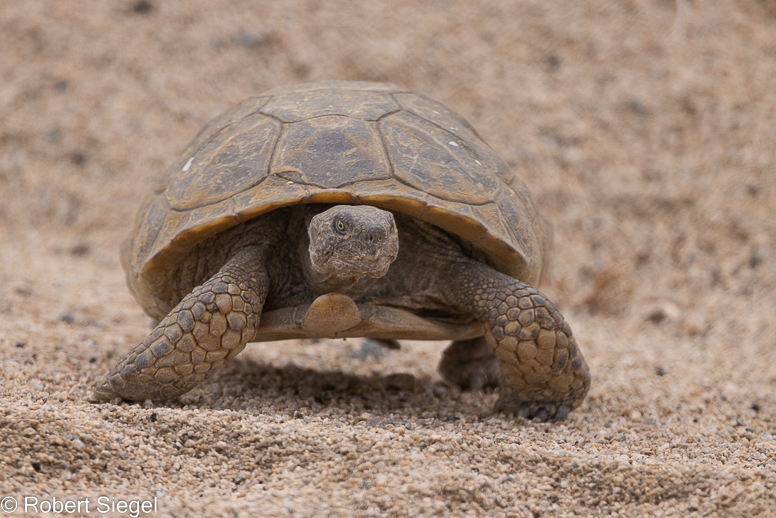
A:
<point x="338" y="142"/>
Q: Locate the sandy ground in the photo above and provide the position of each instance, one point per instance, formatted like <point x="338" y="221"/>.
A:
<point x="645" y="130"/>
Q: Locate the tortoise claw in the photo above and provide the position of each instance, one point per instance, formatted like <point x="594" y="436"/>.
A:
<point x="543" y="411"/>
<point x="562" y="413"/>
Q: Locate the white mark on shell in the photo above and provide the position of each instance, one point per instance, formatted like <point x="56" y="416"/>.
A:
<point x="453" y="143"/>
<point x="290" y="182"/>
<point x="188" y="164"/>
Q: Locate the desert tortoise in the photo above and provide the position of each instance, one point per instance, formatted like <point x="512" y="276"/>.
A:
<point x="346" y="209"/>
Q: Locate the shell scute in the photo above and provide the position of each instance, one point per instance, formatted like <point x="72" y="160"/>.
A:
<point x="329" y="152"/>
<point x="234" y="161"/>
<point x="435" y="161"/>
<point x="229" y="117"/>
<point x="358" y="105"/>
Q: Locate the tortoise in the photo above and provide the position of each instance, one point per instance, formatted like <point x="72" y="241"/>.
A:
<point x="340" y="209"/>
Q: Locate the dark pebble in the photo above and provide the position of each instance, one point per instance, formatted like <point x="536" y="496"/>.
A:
<point x="79" y="249"/>
<point x="656" y="316"/>
<point x="78" y="158"/>
<point x="20" y="344"/>
<point x="36" y="466"/>
<point x="756" y="258"/>
<point x="660" y="371"/>
<point x="67" y="318"/>
<point x="250" y="40"/>
<point x="143" y="7"/>
<point x="154" y="417"/>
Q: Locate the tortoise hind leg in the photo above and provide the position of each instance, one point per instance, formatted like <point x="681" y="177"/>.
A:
<point x="470" y="364"/>
<point x="211" y="324"/>
<point x="543" y="373"/>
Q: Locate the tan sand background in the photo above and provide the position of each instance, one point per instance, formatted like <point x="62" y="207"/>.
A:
<point x="646" y="131"/>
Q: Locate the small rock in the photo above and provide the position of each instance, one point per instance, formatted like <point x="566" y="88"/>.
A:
<point x="250" y="40"/>
<point x="375" y="422"/>
<point x="77" y="444"/>
<point x="79" y="249"/>
<point x="36" y="466"/>
<point x="660" y="371"/>
<point x="143" y="7"/>
<point x="20" y="344"/>
<point x="370" y="348"/>
<point x="67" y="318"/>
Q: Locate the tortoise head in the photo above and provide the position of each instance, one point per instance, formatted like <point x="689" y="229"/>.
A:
<point x="348" y="243"/>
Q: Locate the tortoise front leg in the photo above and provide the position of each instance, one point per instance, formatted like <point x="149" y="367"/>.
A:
<point x="543" y="373"/>
<point x="211" y="324"/>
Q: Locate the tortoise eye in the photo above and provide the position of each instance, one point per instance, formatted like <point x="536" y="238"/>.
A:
<point x="340" y="226"/>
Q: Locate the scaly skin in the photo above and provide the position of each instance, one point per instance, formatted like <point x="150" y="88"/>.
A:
<point x="543" y="373"/>
<point x="211" y="324"/>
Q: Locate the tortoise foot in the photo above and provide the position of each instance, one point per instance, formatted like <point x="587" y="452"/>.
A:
<point x="470" y="364"/>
